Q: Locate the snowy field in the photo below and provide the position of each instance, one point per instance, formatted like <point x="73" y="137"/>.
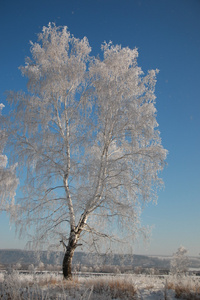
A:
<point x="51" y="286"/>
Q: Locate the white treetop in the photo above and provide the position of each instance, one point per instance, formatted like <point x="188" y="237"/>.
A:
<point x="85" y="137"/>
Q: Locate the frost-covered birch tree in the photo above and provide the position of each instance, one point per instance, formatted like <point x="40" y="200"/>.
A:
<point x="8" y="179"/>
<point x="86" y="139"/>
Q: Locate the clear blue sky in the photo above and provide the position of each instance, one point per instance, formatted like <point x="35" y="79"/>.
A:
<point x="167" y="35"/>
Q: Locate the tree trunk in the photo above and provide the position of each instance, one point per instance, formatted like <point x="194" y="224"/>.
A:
<point x="72" y="244"/>
<point x="67" y="260"/>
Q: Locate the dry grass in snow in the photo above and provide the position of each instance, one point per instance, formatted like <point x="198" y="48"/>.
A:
<point x="185" y="288"/>
<point x="17" y="286"/>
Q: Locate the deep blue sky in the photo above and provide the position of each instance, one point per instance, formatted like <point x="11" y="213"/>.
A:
<point x="167" y="35"/>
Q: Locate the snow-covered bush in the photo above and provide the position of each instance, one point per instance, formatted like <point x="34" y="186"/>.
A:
<point x="41" y="266"/>
<point x="18" y="266"/>
<point x="31" y="268"/>
<point x="179" y="263"/>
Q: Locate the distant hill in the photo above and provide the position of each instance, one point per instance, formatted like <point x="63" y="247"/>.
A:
<point x="9" y="257"/>
<point x="13" y="256"/>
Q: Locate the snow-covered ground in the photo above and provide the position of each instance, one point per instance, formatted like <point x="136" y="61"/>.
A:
<point x="17" y="286"/>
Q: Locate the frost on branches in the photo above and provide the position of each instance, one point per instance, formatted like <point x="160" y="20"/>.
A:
<point x="8" y="179"/>
<point x="87" y="141"/>
<point x="179" y="263"/>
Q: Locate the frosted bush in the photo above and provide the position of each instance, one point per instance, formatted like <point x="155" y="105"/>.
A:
<point x="179" y="262"/>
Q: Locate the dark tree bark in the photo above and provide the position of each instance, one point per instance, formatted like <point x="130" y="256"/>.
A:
<point x="67" y="260"/>
<point x="67" y="263"/>
<point x="70" y="248"/>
